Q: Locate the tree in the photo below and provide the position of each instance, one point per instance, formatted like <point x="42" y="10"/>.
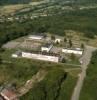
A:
<point x="65" y="40"/>
<point x="57" y="42"/>
<point x="82" y="46"/>
<point x="63" y="60"/>
<point x="72" y="56"/>
<point x="89" y="35"/>
<point x="52" y="37"/>
<point x="0" y="60"/>
<point x="70" y="43"/>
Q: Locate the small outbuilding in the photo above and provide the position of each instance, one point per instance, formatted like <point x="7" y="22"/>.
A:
<point x="57" y="40"/>
<point x="8" y="94"/>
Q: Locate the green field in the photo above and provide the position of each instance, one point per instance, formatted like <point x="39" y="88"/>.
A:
<point x="57" y="85"/>
<point x="59" y="81"/>
<point x="89" y="90"/>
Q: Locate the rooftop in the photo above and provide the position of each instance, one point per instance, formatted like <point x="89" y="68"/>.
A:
<point x="8" y="94"/>
<point x="1" y="98"/>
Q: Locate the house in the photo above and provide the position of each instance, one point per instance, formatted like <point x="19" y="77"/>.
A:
<point x="74" y="51"/>
<point x="47" y="47"/>
<point x="40" y="57"/>
<point x="57" y="40"/>
<point x="8" y="94"/>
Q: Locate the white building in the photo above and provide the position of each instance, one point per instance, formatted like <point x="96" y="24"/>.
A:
<point x="35" y="37"/>
<point x="57" y="40"/>
<point x="40" y="57"/>
<point x="47" y="47"/>
<point x="14" y="55"/>
<point x="74" y="51"/>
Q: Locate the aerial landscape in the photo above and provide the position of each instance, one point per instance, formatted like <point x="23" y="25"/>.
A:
<point x="48" y="49"/>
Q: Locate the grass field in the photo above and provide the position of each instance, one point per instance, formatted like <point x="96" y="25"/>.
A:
<point x="56" y="85"/>
<point x="25" y="67"/>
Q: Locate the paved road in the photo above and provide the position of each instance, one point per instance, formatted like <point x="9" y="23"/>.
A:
<point x="85" y="61"/>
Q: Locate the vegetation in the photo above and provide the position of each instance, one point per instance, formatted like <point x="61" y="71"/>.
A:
<point x="17" y="72"/>
<point x="89" y="90"/>
<point x="20" y="70"/>
<point x="57" y="85"/>
<point x="53" y="87"/>
<point x="82" y="21"/>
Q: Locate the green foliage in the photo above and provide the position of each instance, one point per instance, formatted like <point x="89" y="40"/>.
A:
<point x="57" y="85"/>
<point x="73" y="56"/>
<point x="49" y="88"/>
<point x="83" y="21"/>
<point x="63" y="60"/>
<point x="82" y="46"/>
<point x="70" y="43"/>
<point x="53" y="37"/>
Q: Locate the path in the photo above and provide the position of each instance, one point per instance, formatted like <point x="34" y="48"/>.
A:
<point x="85" y="61"/>
<point x="31" y="83"/>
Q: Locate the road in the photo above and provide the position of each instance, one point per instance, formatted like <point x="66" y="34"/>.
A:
<point x="85" y="61"/>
